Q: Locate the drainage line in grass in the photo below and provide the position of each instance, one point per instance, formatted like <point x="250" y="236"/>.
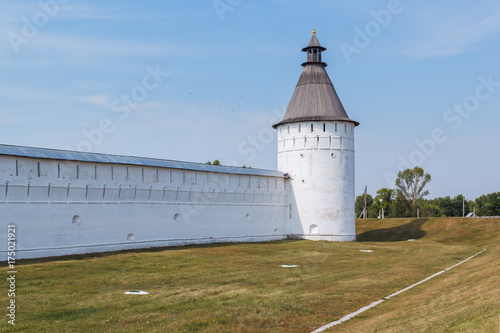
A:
<point x="354" y="314"/>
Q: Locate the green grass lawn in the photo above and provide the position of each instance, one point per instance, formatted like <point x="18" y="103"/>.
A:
<point x="243" y="288"/>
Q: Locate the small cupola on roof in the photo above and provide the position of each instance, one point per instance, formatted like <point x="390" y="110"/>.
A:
<point x="314" y="98"/>
<point x="314" y="50"/>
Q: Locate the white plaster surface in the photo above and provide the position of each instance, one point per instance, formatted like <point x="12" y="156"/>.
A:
<point x="62" y="207"/>
<point x="320" y="164"/>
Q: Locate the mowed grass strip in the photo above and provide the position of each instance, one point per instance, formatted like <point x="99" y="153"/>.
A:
<point x="465" y="299"/>
<point x="243" y="288"/>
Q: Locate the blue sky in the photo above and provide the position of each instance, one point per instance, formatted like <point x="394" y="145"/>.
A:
<point x="204" y="80"/>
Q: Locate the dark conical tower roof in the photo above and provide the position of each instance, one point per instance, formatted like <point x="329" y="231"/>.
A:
<point x="314" y="98"/>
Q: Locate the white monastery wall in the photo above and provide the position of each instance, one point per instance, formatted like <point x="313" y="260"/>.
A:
<point x="71" y="202"/>
<point x="71" y="207"/>
<point x="319" y="158"/>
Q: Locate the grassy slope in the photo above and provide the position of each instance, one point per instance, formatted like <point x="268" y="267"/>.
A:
<point x="465" y="299"/>
<point x="241" y="287"/>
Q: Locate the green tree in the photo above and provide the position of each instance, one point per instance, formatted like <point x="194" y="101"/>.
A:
<point x="429" y="208"/>
<point x="452" y="207"/>
<point x="400" y="206"/>
<point x="360" y="203"/>
<point x="494" y="201"/>
<point x="458" y="204"/>
<point x="410" y="184"/>
<point x="374" y="209"/>
<point x="445" y="206"/>
<point x="216" y="162"/>
<point x="488" y="205"/>
<point x="384" y="199"/>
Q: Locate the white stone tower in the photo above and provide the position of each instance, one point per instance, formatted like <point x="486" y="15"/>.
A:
<point x="316" y="149"/>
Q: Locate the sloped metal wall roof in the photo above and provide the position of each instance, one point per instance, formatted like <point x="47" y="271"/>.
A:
<point x="66" y="155"/>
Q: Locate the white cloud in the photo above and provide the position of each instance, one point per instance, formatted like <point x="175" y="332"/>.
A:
<point x="45" y="41"/>
<point x="8" y="120"/>
<point x="106" y="101"/>
<point x="153" y="105"/>
<point x="99" y="99"/>
<point x="23" y="93"/>
<point x="92" y="46"/>
<point x="454" y="37"/>
<point x="14" y="11"/>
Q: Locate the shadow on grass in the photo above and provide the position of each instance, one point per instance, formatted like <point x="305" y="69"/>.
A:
<point x="91" y="255"/>
<point x="412" y="230"/>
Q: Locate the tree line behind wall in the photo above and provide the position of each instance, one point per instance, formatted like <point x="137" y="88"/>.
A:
<point x="408" y="196"/>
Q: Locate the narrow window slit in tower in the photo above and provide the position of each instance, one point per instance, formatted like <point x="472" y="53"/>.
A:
<point x="77" y="171"/>
<point x="127" y="174"/>
<point x="335" y="127"/>
<point x="142" y="174"/>
<point x="112" y="174"/>
<point x="324" y="127"/>
<point x="312" y="128"/>
<point x="299" y="128"/>
<point x="38" y="167"/>
<point x="288" y="129"/>
<point x="58" y="170"/>
<point x="95" y="171"/>
<point x="17" y="168"/>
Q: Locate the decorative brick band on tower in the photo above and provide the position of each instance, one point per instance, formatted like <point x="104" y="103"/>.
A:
<point x="316" y="149"/>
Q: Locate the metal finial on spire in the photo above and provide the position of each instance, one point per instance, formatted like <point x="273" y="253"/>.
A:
<point x="314" y="31"/>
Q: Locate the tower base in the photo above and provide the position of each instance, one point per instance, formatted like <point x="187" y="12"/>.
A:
<point x="328" y="238"/>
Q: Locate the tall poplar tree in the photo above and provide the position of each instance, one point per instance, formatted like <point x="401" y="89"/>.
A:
<point x="410" y="184"/>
